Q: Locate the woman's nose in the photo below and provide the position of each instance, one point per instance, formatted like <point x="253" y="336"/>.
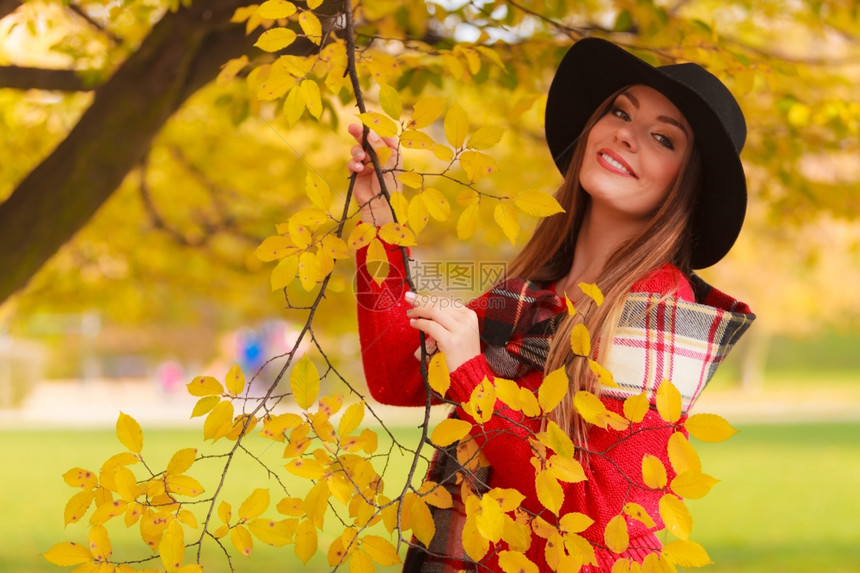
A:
<point x="625" y="136"/>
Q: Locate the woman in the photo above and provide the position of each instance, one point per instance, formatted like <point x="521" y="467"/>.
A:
<point x="653" y="189"/>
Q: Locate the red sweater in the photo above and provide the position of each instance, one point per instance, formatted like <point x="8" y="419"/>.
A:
<point x="388" y="346"/>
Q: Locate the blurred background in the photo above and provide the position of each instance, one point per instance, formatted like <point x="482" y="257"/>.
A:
<point x="138" y="175"/>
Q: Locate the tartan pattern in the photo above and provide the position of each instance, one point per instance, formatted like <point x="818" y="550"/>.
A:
<point x="518" y="326"/>
<point x="446" y="553"/>
<point x="666" y="338"/>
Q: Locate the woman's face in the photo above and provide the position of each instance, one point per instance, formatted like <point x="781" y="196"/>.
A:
<point x="633" y="154"/>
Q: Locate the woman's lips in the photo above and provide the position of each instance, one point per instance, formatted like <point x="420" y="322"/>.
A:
<point x="613" y="162"/>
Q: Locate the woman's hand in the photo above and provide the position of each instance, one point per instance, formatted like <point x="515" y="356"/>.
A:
<point x="374" y="208"/>
<point x="452" y="325"/>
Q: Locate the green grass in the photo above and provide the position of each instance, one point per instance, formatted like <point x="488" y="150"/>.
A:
<point x="787" y="501"/>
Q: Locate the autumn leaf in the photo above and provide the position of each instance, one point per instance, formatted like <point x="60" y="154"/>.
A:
<point x="351" y="419"/>
<point x="682" y="455"/>
<point x="616" y="535"/>
<point x="242" y="540"/>
<point x="68" y="553"/>
<point x="635" y="407"/>
<point x="276" y="9"/>
<point x="580" y="340"/>
<point x="129" y="433"/>
<point x="537" y="203"/>
<point x="171" y="548"/>
<point x="305" y="382"/>
<point x="709" y="427"/>
<point x="686" y="554"/>
<point x="379" y="123"/>
<point x="449" y="431"/>
<point x="516" y="562"/>
<point x="669" y="402"/>
<point x="205" y="386"/>
<point x="181" y="461"/>
<point x="653" y="472"/>
<point x="638" y="513"/>
<point x="423" y="525"/>
<point x="306" y="540"/>
<point x="426" y="111"/>
<point x="549" y="491"/>
<point x="438" y="375"/>
<point x="553" y="388"/>
<point x="275" y="39"/>
<point x="254" y="505"/>
<point x="693" y="484"/>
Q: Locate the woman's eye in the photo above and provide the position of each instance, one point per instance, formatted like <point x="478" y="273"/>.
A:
<point x="664" y="141"/>
<point x="620" y="113"/>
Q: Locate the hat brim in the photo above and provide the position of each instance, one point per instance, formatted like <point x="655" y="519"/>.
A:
<point x="590" y="72"/>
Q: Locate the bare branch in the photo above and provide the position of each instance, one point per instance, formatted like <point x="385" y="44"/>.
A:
<point x="25" y="78"/>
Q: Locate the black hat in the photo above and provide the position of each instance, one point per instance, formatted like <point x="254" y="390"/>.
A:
<point x="593" y="69"/>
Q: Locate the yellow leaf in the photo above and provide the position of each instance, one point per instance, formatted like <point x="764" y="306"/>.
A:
<point x="400" y="206"/>
<point x="423" y="525"/>
<point x="272" y="248"/>
<point x="693" y="484"/>
<point x="449" y="431"/>
<point x="603" y="375"/>
<point x="235" y="380"/>
<point x="638" y="513"/>
<point x="205" y="386"/>
<point x="397" y="234"/>
<point x="204" y="405"/>
<point x="653" y="472"/>
<point x="549" y="491"/>
<point x="275" y="39"/>
<point x="575" y="522"/>
<point x="275" y="426"/>
<point x="553" y="388"/>
<point x="676" y="516"/>
<point x="468" y="222"/>
<point x="294" y="105"/>
<point x="682" y="456"/>
<point x="380" y="550"/>
<point x="571" y="310"/>
<point x="456" y="126"/>
<point x="438" y="375"/>
<point x="361" y="235"/>
<point x="506" y="218"/>
<point x="351" y="419"/>
<point x="437" y="204"/>
<point x="435" y="495"/>
<point x="270" y="532"/>
<point x="635" y="407"/>
<point x="100" y="545"/>
<point x="219" y="421"/>
<point x="426" y="111"/>
<point x="411" y="179"/>
<point x="485" y="137"/>
<point x="181" y="461"/>
<point x="477" y="164"/>
<point x="276" y="9"/>
<point x="282" y="275"/>
<point x="537" y="203"/>
<point x="79" y="477"/>
<point x="306" y="540"/>
<point x="317" y="190"/>
<point x="686" y="554"/>
<point x="310" y="91"/>
<point x="377" y="261"/>
<point x="516" y="562"/>
<point x="314" y="4"/>
<point x="580" y="340"/>
<point x="557" y="439"/>
<point x="129" y="433"/>
<point x="172" y="546"/>
<point x="516" y="534"/>
<point x="592" y="291"/>
<point x="78" y="505"/>
<point x="590" y="408"/>
<point x="311" y="26"/>
<point x="566" y="469"/>
<point x="528" y="403"/>
<point x="254" y="505"/>
<point x="230" y="70"/>
<point x="381" y="124"/>
<point x="242" y="540"/>
<point x="669" y="402"/>
<point x="443" y="152"/>
<point x="412" y="139"/>
<point x="554" y="551"/>
<point x="183" y="485"/>
<point x="389" y="99"/>
<point x="360" y="562"/>
<point x="68" y="553"/>
<point x="309" y="468"/>
<point x="709" y="427"/>
<point x="616" y="536"/>
<point x="490" y="521"/>
<point x="482" y="402"/>
<point x="305" y="382"/>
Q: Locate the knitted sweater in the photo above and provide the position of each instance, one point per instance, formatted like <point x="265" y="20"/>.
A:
<point x="613" y="471"/>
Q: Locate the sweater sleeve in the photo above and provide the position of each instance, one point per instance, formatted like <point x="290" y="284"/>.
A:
<point x="388" y="342"/>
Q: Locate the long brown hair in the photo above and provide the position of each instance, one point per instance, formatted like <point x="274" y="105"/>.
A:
<point x="548" y="256"/>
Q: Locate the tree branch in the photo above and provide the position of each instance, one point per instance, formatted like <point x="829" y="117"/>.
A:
<point x="183" y="52"/>
<point x="20" y="78"/>
<point x="8" y="6"/>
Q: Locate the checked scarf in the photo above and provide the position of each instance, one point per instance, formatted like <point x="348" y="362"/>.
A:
<point x="657" y="338"/>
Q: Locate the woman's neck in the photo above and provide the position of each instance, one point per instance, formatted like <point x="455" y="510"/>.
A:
<point x="599" y="236"/>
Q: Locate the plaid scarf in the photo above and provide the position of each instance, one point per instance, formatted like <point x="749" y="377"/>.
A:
<point x="657" y="338"/>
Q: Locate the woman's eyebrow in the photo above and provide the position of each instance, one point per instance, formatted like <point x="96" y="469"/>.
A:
<point x="664" y="118"/>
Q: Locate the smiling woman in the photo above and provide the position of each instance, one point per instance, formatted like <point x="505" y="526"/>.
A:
<point x="653" y="189"/>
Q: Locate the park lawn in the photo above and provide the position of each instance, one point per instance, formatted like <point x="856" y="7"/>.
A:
<point x="786" y="502"/>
